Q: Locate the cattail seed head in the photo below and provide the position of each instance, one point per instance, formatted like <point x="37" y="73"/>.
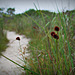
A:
<point x="52" y="33"/>
<point x="34" y="27"/>
<point x="56" y="36"/>
<point x="56" y="28"/>
<point x="18" y="38"/>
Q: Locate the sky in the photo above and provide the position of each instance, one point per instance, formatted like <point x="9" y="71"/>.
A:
<point x="51" y="5"/>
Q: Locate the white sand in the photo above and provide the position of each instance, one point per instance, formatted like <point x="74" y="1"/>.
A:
<point x="12" y="52"/>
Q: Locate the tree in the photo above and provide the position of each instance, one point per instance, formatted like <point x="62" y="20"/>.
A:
<point x="1" y="12"/>
<point x="11" y="11"/>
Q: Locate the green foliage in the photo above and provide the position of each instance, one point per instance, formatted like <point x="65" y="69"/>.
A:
<point x="3" y="39"/>
<point x="11" y="11"/>
<point x="30" y="12"/>
<point x="1" y="9"/>
<point x="48" y="55"/>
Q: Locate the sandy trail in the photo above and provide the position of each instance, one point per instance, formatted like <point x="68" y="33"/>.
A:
<point x="12" y="52"/>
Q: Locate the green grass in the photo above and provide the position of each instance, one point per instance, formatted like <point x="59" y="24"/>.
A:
<point x="47" y="55"/>
<point x="3" y="39"/>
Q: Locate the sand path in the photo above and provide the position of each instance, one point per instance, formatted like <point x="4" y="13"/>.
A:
<point x="12" y="52"/>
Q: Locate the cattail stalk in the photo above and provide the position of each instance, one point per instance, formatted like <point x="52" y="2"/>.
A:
<point x="56" y="55"/>
<point x="39" y="66"/>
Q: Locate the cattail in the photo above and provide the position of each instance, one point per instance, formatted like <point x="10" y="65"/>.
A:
<point x="26" y="58"/>
<point x="34" y="27"/>
<point x="52" y="33"/>
<point x="56" y="36"/>
<point x="56" y="28"/>
<point x="18" y="38"/>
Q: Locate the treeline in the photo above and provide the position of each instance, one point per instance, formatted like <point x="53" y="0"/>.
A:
<point x="31" y="12"/>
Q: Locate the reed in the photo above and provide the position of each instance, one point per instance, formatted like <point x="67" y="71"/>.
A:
<point x="49" y="54"/>
<point x="3" y="39"/>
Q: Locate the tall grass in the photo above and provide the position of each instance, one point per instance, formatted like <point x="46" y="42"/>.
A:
<point x="3" y="39"/>
<point x="47" y="54"/>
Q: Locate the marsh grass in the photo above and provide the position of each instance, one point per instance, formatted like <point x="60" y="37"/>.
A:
<point x="48" y="56"/>
<point x="3" y="39"/>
